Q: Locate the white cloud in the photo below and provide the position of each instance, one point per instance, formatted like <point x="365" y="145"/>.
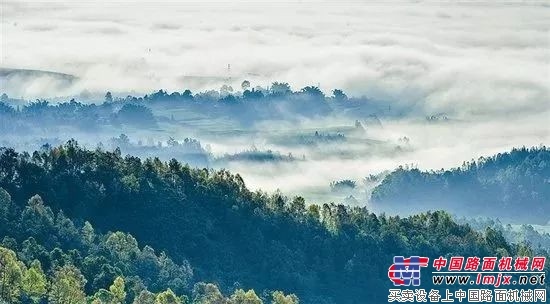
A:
<point x="457" y="58"/>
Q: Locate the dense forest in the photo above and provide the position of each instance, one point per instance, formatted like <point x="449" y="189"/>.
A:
<point x="59" y="205"/>
<point x="42" y="114"/>
<point x="46" y="256"/>
<point x="252" y="104"/>
<point x="514" y="186"/>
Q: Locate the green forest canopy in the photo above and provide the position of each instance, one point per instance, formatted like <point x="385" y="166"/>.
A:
<point x="46" y="256"/>
<point x="208" y="227"/>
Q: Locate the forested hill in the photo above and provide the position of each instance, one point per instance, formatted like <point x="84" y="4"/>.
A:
<point x="514" y="186"/>
<point x="229" y="235"/>
<point x="47" y="257"/>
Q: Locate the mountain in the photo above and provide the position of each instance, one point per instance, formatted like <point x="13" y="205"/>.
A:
<point x="514" y="186"/>
<point x="229" y="235"/>
<point x="6" y="73"/>
<point x="26" y="83"/>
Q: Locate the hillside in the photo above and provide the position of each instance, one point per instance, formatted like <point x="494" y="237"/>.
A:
<point x="208" y="221"/>
<point x="514" y="186"/>
<point x="47" y="256"/>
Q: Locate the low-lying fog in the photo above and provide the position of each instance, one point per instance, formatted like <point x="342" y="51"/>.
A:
<point x="479" y="71"/>
<point x="418" y="143"/>
<point x="304" y="158"/>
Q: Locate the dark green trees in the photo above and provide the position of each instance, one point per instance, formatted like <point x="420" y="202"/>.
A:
<point x="502" y="186"/>
<point x="208" y="219"/>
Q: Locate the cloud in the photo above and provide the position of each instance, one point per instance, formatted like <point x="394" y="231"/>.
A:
<point x="463" y="59"/>
<point x="431" y="146"/>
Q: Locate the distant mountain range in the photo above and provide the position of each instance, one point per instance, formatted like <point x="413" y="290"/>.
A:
<point x="24" y="73"/>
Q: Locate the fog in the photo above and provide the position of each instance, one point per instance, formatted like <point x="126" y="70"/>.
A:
<point x="435" y="84"/>
<point x="304" y="158"/>
<point x="459" y="58"/>
<point x="431" y="146"/>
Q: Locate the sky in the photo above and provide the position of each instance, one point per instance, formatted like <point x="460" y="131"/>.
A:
<point x="483" y="58"/>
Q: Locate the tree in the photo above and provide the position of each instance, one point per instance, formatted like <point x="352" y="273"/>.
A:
<point x="245" y="85"/>
<point x="36" y="215"/>
<point x="102" y="296"/>
<point x="6" y="108"/>
<point x="167" y="297"/>
<point x="5" y="207"/>
<point x="314" y="212"/>
<point x="35" y="283"/>
<point x="339" y="95"/>
<point x="11" y="274"/>
<point x="30" y="250"/>
<point x="117" y="291"/>
<point x="67" y="286"/>
<point x="38" y="219"/>
<point x="207" y="293"/>
<point x="115" y="295"/>
<point x="88" y="233"/>
<point x="312" y="92"/>
<point x="171" y="142"/>
<point x="136" y="115"/>
<point x="225" y="90"/>
<point x="123" y="245"/>
<point x="187" y="94"/>
<point x="242" y="297"/>
<point x="298" y="206"/>
<point x="66" y="230"/>
<point x="253" y="94"/>
<point x="280" y="88"/>
<point x="280" y="298"/>
<point x="145" y="297"/>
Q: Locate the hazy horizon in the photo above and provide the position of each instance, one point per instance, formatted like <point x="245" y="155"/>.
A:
<point x="459" y="58"/>
<point x="485" y="66"/>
